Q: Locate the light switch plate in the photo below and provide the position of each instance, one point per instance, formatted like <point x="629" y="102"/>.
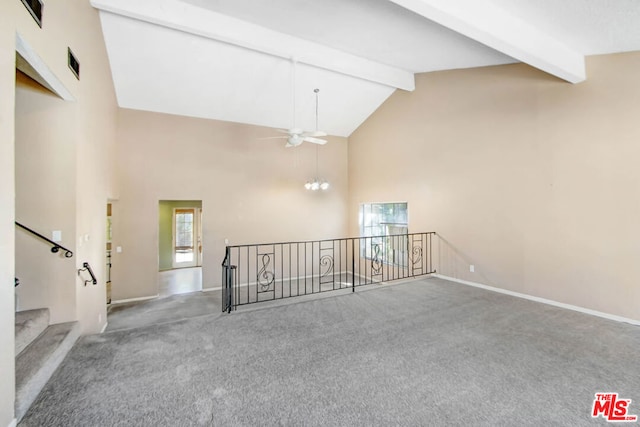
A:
<point x="56" y="235"/>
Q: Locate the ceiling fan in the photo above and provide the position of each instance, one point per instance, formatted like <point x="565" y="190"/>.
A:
<point x="296" y="136"/>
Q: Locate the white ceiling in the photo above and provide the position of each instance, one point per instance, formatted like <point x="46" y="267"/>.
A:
<point x="231" y="59"/>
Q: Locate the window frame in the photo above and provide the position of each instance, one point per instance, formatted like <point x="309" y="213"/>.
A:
<point x="394" y="252"/>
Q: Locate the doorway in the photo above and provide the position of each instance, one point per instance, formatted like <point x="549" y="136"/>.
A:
<point x="186" y="238"/>
<point x="180" y="246"/>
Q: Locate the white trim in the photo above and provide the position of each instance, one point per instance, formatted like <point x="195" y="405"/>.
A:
<point x="542" y="300"/>
<point x="219" y="288"/>
<point x="494" y="27"/>
<point x="122" y="301"/>
<point x="40" y="67"/>
<point x="13" y="423"/>
<point x="104" y="328"/>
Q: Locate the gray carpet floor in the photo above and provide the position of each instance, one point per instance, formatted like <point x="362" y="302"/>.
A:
<point x="163" y="310"/>
<point x="427" y="352"/>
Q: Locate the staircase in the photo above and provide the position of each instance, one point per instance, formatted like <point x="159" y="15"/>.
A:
<point x="40" y="349"/>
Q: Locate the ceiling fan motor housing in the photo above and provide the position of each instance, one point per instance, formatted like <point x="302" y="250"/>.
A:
<point x="295" y="139"/>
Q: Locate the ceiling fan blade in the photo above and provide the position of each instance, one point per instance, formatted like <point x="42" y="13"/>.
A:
<point x="283" y="130"/>
<point x="315" y="140"/>
<point x="295" y="131"/>
<point x="289" y="145"/>
<point x="314" y="133"/>
<point x="275" y="137"/>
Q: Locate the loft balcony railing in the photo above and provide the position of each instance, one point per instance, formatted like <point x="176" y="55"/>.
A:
<point x="271" y="271"/>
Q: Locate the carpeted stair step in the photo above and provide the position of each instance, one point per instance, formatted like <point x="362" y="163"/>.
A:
<point x="29" y="325"/>
<point x="36" y="364"/>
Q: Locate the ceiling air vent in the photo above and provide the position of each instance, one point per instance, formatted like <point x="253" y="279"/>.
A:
<point x="35" y="9"/>
<point x="74" y="65"/>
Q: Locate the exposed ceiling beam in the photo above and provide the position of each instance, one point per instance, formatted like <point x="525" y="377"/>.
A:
<point x="205" y="23"/>
<point x="488" y="24"/>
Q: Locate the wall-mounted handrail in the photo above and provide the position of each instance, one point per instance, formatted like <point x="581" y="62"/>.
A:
<point x="54" y="246"/>
<point x="87" y="268"/>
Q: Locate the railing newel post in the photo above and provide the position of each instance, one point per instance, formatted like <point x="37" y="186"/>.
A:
<point x="232" y="269"/>
<point x="353" y="266"/>
<point x="227" y="281"/>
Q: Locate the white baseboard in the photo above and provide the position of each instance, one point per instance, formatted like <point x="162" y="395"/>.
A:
<point x="542" y="300"/>
<point x="13" y="423"/>
<point x="219" y="288"/>
<point x="122" y="301"/>
<point x="104" y="328"/>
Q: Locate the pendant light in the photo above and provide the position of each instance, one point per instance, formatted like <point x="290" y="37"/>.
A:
<point x="316" y="184"/>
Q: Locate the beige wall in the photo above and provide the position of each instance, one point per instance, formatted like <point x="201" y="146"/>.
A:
<point x="532" y="180"/>
<point x="92" y="133"/>
<point x="45" y="160"/>
<point x="64" y="155"/>
<point x="251" y="191"/>
<point x="7" y="203"/>
<point x="95" y="153"/>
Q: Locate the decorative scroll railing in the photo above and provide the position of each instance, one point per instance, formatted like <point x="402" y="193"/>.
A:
<point x="270" y="271"/>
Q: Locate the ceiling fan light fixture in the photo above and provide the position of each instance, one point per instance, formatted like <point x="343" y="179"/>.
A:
<point x="294" y="135"/>
<point x="295" y="140"/>
<point x="316" y="185"/>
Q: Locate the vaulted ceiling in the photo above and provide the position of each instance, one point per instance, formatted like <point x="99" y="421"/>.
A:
<point x="240" y="60"/>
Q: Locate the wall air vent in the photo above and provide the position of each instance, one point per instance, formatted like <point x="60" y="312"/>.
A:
<point x="35" y="9"/>
<point x="74" y="65"/>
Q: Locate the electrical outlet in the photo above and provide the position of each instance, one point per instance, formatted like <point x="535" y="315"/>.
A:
<point x="472" y="268"/>
<point x="100" y="318"/>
